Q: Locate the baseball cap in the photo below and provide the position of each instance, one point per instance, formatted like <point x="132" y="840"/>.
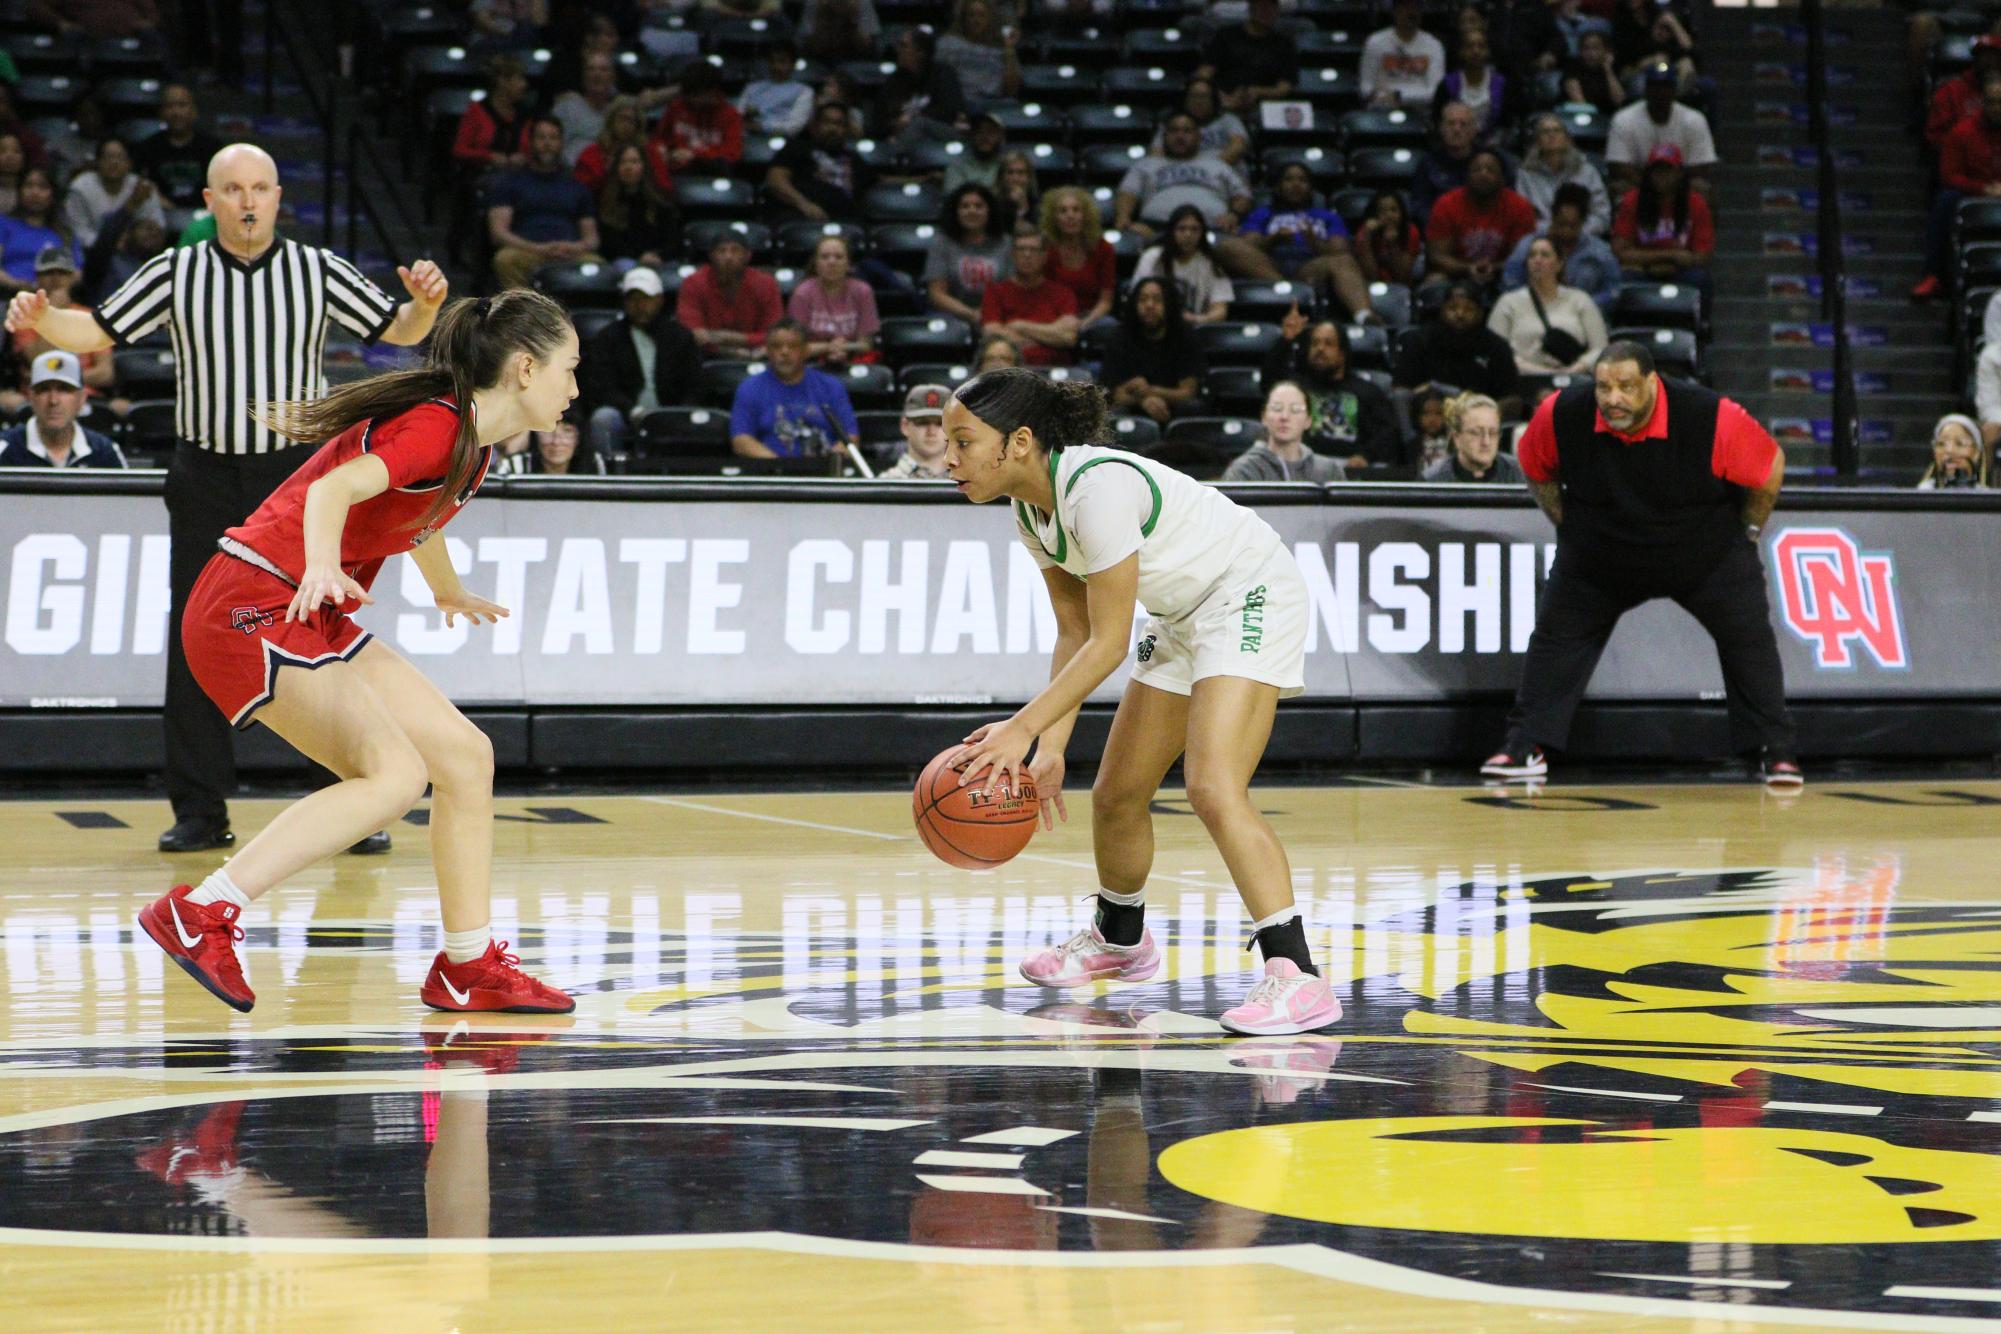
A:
<point x="1665" y="153"/>
<point x="642" y="279"/>
<point x="1662" y="73"/>
<point x="926" y="401"/>
<point x="57" y="368"/>
<point x="54" y="259"/>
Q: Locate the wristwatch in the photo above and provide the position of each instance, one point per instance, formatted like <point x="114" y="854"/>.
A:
<point x="1753" y="530"/>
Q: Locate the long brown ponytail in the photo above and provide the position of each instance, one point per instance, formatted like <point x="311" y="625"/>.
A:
<point x="468" y="351"/>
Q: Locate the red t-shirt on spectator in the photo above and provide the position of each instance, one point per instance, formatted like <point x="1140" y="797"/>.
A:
<point x="1742" y="455"/>
<point x="1045" y="303"/>
<point x="474" y="145"/>
<point x="1099" y="274"/>
<point x="1952" y="102"/>
<point x="1697" y="232"/>
<point x="1476" y="233"/>
<point x="751" y="310"/>
<point x="714" y="135"/>
<point x="1970" y="158"/>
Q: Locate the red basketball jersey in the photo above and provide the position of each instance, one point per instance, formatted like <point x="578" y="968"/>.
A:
<point x="416" y="446"/>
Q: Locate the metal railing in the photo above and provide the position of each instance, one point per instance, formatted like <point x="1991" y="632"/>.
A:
<point x="1846" y="445"/>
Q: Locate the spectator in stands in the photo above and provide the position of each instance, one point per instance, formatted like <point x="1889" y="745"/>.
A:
<point x="1591" y="76"/>
<point x="581" y="110"/>
<point x="700" y="126"/>
<point x="790" y="410"/>
<point x="1427" y="420"/>
<point x="1349" y="417"/>
<point x="1443" y="169"/>
<point x="1402" y="64"/>
<point x="176" y="158"/>
<point x="834" y="32"/>
<point x="1473" y="423"/>
<point x="728" y="306"/>
<point x="1959" y="97"/>
<point x="1080" y="258"/>
<point x="996" y="351"/>
<point x="1153" y="365"/>
<point x="1663" y="230"/>
<point x="1456" y="352"/>
<point x="622" y="127"/>
<point x="557" y="452"/>
<point x="982" y="50"/>
<point x="980" y="163"/>
<point x="1638" y="130"/>
<point x="51" y="437"/>
<point x="1389" y="248"/>
<point x="1473" y="229"/>
<point x="1294" y="238"/>
<point x="1959" y="457"/>
<point x="538" y="213"/>
<point x="1588" y="263"/>
<point x="1157" y="187"/>
<point x="1476" y="85"/>
<point x="923" y="427"/>
<point x="1987" y="393"/>
<point x="637" y="220"/>
<point x="644" y="359"/>
<point x="1016" y="190"/>
<point x="781" y="102"/>
<point x="1260" y="62"/>
<point x="1223" y="133"/>
<point x="56" y="278"/>
<point x="35" y="224"/>
<point x="1552" y="328"/>
<point x="507" y="25"/>
<point x="123" y="244"/>
<point x="1969" y="164"/>
<point x="1183" y="253"/>
<point x="493" y="130"/>
<point x="836" y="309"/>
<point x="112" y="184"/>
<point x="922" y="98"/>
<point x="968" y="253"/>
<point x="1554" y="162"/>
<point x="1646" y="33"/>
<point x="1039" y="315"/>
<point x="34" y="152"/>
<point x="1282" y="455"/>
<point x="818" y="175"/>
<point x="13" y="166"/>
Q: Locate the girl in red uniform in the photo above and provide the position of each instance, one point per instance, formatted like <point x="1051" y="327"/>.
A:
<point x="268" y="637"/>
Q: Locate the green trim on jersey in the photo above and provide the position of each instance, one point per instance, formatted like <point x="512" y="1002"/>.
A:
<point x="1021" y="507"/>
<point x="1145" y="529"/>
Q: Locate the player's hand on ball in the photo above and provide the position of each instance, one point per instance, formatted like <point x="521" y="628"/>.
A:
<point x="321" y="586"/>
<point x="1047" y="775"/>
<point x="475" y="609"/>
<point x="25" y="311"/>
<point x="996" y="750"/>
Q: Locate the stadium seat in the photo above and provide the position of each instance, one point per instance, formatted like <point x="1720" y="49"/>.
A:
<point x="1336" y="46"/>
<point x="758" y="151"/>
<point x="1392" y="303"/>
<point x="1658" y="305"/>
<point x="1383" y="168"/>
<point x="1378" y="127"/>
<point x="950" y="375"/>
<point x="1327" y="167"/>
<point x="144" y="372"/>
<point x="1091" y="48"/>
<point x="909" y="202"/>
<point x="1235" y="390"/>
<point x="148" y="430"/>
<point x="1676" y="351"/>
<point x="1270" y="301"/>
<point x="432" y="67"/>
<point x="1135" y="433"/>
<point x="1099" y="123"/>
<point x="721" y="378"/>
<point x="1107" y="164"/>
<point x="1369" y="345"/>
<point x="1979" y="220"/>
<point x="1031" y="120"/>
<point x="902" y="245"/>
<point x="1150" y="86"/>
<point x="139" y="56"/>
<point x="870" y="386"/>
<point x="797" y="238"/>
<point x="1236" y="342"/>
<point x="1352" y="204"/>
<point x="579" y="283"/>
<point x="706" y="196"/>
<point x="925" y="338"/>
<point x="698" y="236"/>
<point x="1054" y="164"/>
<point x="1979" y="264"/>
<point x="1330" y="88"/>
<point x="42" y="53"/>
<point x="1588" y="129"/>
<point x="46" y="94"/>
<point x="138" y="96"/>
<point x="591" y="322"/>
<point x="679" y="432"/>
<point x="931" y="155"/>
<point x="1059" y="85"/>
<point x="1178" y="49"/>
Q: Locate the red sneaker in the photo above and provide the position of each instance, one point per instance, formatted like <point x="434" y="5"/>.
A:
<point x="209" y="1150"/>
<point x="201" y="938"/>
<point x="490" y="982"/>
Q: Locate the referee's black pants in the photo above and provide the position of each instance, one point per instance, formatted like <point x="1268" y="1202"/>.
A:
<point x="207" y="493"/>
<point x="1580" y="608"/>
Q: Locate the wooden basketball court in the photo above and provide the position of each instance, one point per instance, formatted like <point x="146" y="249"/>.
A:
<point x="1625" y="1057"/>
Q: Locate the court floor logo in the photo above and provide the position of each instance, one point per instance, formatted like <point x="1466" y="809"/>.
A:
<point x="1766" y="1086"/>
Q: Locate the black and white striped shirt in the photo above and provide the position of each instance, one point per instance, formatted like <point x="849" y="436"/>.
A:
<point x="244" y="333"/>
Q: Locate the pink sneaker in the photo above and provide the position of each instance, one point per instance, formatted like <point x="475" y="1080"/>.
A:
<point x="1088" y="957"/>
<point x="1287" y="1001"/>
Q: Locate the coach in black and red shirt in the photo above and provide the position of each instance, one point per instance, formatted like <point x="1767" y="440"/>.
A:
<point x="1657" y="489"/>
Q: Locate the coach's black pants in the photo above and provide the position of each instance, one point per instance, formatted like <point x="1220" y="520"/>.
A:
<point x="1576" y="616"/>
<point x="206" y="494"/>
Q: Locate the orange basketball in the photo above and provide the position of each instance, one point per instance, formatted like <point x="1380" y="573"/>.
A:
<point x="965" y="828"/>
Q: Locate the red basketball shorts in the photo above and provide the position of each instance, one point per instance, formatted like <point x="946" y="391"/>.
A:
<point x="236" y="637"/>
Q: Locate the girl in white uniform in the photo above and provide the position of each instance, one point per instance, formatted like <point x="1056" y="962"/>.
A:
<point x="1226" y="640"/>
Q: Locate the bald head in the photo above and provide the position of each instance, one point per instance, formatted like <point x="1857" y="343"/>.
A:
<point x="243" y="195"/>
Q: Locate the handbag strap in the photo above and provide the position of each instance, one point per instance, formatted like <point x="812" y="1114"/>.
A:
<point x="1540" y="313"/>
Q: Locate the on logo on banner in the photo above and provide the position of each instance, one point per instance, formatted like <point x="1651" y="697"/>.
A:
<point x="1836" y="598"/>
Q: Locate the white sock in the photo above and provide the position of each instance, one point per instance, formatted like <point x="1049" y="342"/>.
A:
<point x="1132" y="900"/>
<point x="1279" y="918"/>
<point x="465" y="946"/>
<point x="219" y="888"/>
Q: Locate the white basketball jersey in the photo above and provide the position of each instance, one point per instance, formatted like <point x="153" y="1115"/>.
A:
<point x="1190" y="542"/>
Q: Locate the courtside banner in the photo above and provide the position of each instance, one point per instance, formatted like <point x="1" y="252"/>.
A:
<point x="664" y="600"/>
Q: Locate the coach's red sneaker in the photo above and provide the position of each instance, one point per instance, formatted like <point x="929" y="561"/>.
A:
<point x="490" y="982"/>
<point x="201" y="938"/>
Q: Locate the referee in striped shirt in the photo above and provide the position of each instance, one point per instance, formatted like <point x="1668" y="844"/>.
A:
<point x="248" y="313"/>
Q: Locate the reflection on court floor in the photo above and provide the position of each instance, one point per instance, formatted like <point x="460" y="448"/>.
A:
<point x="1639" y="1056"/>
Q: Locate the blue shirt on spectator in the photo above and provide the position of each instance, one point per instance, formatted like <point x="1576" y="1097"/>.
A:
<point x="1592" y="268"/>
<point x="22" y="447"/>
<point x="792" y="420"/>
<point x="1301" y="232"/>
<point x="21" y="241"/>
<point x="547" y="204"/>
